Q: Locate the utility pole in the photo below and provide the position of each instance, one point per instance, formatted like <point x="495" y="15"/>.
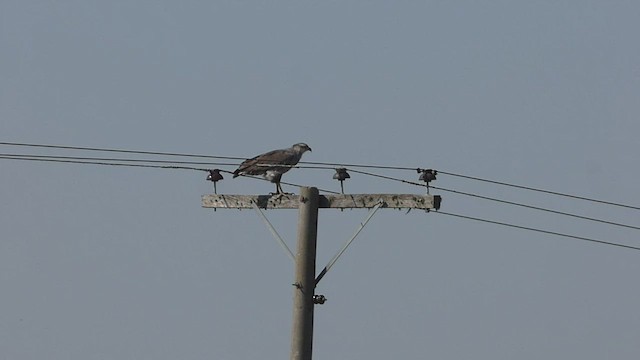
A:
<point x="308" y="203"/>
<point x="305" y="278"/>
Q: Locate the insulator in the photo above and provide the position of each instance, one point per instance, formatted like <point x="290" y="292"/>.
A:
<point x="319" y="299"/>
<point x="341" y="174"/>
<point x="214" y="175"/>
<point x="427" y="175"/>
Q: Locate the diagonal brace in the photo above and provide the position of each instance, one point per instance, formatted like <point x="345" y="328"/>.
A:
<point x="274" y="232"/>
<point x="346" y="245"/>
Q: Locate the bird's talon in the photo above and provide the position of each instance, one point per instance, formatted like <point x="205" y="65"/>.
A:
<point x="277" y="196"/>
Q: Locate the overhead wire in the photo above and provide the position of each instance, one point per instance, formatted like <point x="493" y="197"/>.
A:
<point x="322" y="165"/>
<point x="328" y="191"/>
<point x="65" y="147"/>
<point x="123" y="162"/>
<point x="518" y="204"/>
<point x="317" y="165"/>
<point x="311" y="165"/>
<point x="88" y="158"/>
<point x="538" y="230"/>
<point x="514" y="225"/>
<point x="536" y="208"/>
<point x="125" y="151"/>
<point x="104" y="163"/>
<point x="151" y="163"/>
<point x="540" y="190"/>
<point x="498" y="200"/>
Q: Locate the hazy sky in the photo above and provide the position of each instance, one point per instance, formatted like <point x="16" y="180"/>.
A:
<point x="102" y="262"/>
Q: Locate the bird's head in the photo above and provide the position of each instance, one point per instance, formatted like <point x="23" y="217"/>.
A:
<point x="300" y="148"/>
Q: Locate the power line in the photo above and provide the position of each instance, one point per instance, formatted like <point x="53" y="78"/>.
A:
<point x="91" y="158"/>
<point x="498" y="183"/>
<point x="387" y="177"/>
<point x="65" y="147"/>
<point x="499" y="200"/>
<point x="539" y="230"/>
<point x="117" y="159"/>
<point x="111" y="163"/>
<point x="116" y="162"/>
<point x="325" y="165"/>
<point x="334" y="165"/>
<point x="79" y="160"/>
<point x="540" y="190"/>
<point x="120" y="151"/>
<point x="24" y="158"/>
<point x="537" y="208"/>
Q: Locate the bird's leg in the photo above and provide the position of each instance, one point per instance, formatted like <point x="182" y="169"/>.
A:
<point x="279" y="192"/>
<point x="282" y="191"/>
<point x="276" y="180"/>
<point x="278" y="189"/>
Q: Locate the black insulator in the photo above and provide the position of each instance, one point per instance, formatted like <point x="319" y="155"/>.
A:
<point x="319" y="299"/>
<point x="341" y="174"/>
<point x="214" y="175"/>
<point x="427" y="175"/>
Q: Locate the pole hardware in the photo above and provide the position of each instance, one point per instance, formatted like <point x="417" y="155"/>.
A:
<point x="341" y="175"/>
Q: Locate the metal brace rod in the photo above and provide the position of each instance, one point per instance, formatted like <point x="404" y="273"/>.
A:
<point x="346" y="245"/>
<point x="274" y="232"/>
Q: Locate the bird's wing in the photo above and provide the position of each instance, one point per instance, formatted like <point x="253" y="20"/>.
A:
<point x="254" y="166"/>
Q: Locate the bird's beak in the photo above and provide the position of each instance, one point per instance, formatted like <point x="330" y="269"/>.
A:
<point x="309" y="149"/>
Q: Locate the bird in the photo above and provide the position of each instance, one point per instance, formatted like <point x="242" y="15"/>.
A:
<point x="271" y="165"/>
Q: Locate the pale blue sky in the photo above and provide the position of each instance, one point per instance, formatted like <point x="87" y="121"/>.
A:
<point x="120" y="263"/>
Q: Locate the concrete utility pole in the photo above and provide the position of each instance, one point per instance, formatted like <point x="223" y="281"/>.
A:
<point x="305" y="278"/>
<point x="308" y="203"/>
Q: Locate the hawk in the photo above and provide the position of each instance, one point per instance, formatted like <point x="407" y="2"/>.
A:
<point x="273" y="164"/>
